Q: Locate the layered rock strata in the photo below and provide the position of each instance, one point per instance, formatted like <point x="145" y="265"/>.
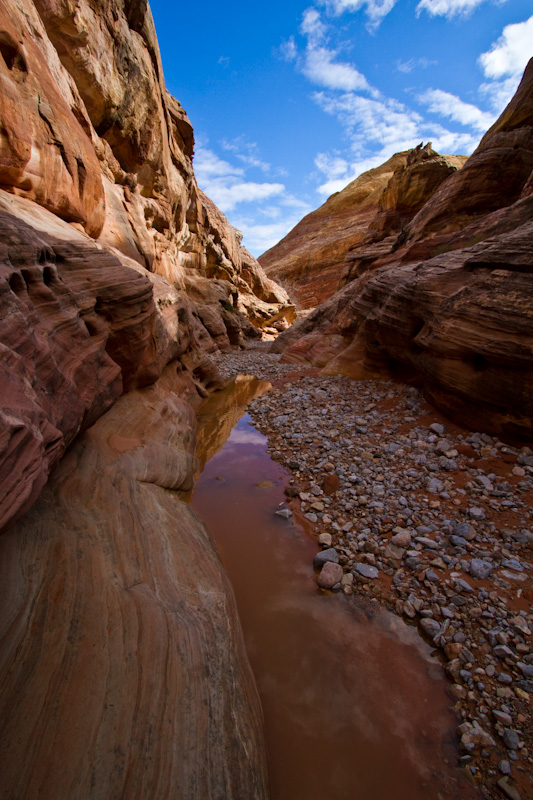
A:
<point x="113" y="261"/>
<point x="310" y="259"/>
<point x="123" y="667"/>
<point x="447" y="303"/>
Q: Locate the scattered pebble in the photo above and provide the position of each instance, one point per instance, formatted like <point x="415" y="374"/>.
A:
<point x="433" y="521"/>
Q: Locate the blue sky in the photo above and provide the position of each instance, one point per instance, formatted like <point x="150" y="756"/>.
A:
<point x="290" y="101"/>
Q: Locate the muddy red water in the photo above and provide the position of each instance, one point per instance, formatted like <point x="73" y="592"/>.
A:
<point x="354" y="704"/>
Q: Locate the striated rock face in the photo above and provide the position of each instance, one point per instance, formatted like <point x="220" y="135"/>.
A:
<point x="410" y="188"/>
<point x="112" y="261"/>
<point x="310" y="259"/>
<point x="448" y="302"/>
<point x="123" y="667"/>
<point x="318" y="253"/>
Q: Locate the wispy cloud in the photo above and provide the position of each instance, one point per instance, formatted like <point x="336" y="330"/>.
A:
<point x="264" y="212"/>
<point x="377" y="129"/>
<point x="321" y="69"/>
<point x="224" y="183"/>
<point x="319" y="62"/>
<point x="375" y="10"/>
<point x="247" y="152"/>
<point x="449" y="8"/>
<point x="504" y="63"/>
<point x="452" y="107"/>
<point x="413" y="63"/>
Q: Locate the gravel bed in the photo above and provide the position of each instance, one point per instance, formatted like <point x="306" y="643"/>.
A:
<point x="430" y="520"/>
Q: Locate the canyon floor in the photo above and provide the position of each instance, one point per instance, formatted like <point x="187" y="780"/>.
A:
<point x="432" y="521"/>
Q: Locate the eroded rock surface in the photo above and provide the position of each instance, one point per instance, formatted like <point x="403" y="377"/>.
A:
<point x="448" y="302"/>
<point x="123" y="668"/>
<point x="113" y="261"/>
<point x="310" y="259"/>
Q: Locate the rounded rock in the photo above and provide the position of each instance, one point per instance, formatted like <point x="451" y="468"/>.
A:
<point x="330" y="574"/>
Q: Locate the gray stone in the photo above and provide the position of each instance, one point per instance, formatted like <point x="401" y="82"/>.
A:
<point x="330" y="575"/>
<point x="366" y="570"/>
<point x="508" y="789"/>
<point x="503" y="717"/>
<point x="480" y="569"/>
<point x="462" y="586"/>
<point x="326" y="555"/>
<point x="476" y="513"/>
<point x="284" y="513"/>
<point x="511" y="739"/>
<point x="502" y="651"/>
<point x="430" y="627"/>
<point x="437" y="428"/>
<point x="504" y="767"/>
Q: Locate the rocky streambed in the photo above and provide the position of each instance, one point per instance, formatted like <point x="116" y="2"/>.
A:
<point x="430" y="520"/>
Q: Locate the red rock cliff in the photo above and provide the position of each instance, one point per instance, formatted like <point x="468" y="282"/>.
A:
<point x="122" y="665"/>
<point x="105" y="237"/>
<point x="447" y="302"/>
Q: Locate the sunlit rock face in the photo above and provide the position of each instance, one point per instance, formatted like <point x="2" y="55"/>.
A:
<point x="122" y="667"/>
<point x="314" y="257"/>
<point x="447" y="302"/>
<point x="112" y="260"/>
<point x="310" y="259"/>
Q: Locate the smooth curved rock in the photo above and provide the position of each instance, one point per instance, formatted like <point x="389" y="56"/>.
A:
<point x="122" y="664"/>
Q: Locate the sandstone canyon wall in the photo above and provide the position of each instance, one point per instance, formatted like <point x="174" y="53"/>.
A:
<point x="310" y="260"/>
<point x="446" y="301"/>
<point x="144" y="266"/>
<point x="122" y="666"/>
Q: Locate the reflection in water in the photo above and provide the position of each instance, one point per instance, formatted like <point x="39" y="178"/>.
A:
<point x="354" y="705"/>
<point x="220" y="411"/>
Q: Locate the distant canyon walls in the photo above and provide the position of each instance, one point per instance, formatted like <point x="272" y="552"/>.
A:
<point x="311" y="259"/>
<point x="442" y="294"/>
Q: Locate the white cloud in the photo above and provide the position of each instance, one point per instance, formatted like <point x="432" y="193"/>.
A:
<point x="332" y="164"/>
<point x="374" y="9"/>
<point x="448" y="105"/>
<point x="224" y="183"/>
<point x="511" y="52"/>
<point x="450" y="142"/>
<point x="226" y="195"/>
<point x="208" y="165"/>
<point x="318" y="63"/>
<point x="247" y="152"/>
<point x="377" y="129"/>
<point x="449" y="8"/>
<point x="384" y="121"/>
<point x="499" y="93"/>
<point x="288" y="50"/>
<point x="312" y="27"/>
<point x="320" y="68"/>
<point x="408" y="66"/>
<point x="258" y="238"/>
